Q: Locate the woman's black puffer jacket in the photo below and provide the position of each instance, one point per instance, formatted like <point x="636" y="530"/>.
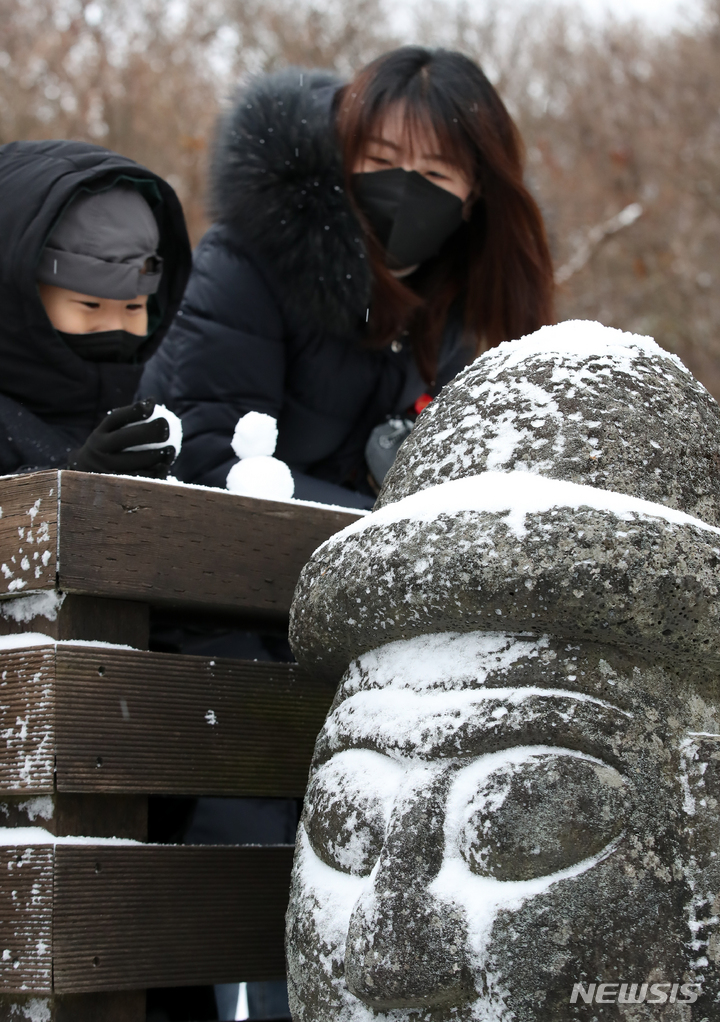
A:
<point x="274" y="314"/>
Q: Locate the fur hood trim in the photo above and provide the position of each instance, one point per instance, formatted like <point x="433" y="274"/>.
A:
<point x="277" y="179"/>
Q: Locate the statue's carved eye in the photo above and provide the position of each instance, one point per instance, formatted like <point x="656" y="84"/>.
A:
<point x="347" y="807"/>
<point x="535" y="818"/>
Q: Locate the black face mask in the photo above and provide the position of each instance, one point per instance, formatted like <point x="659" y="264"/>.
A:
<point x="411" y="217"/>
<point x="105" y="345"/>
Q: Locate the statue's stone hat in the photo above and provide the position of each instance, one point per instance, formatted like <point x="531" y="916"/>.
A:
<point x="567" y="482"/>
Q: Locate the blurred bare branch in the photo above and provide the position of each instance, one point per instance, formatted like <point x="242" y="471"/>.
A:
<point x="594" y="237"/>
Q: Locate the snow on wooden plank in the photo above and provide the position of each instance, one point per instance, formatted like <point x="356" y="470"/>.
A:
<point x="191" y="546"/>
<point x="26" y="893"/>
<point x="83" y="917"/>
<point x="117" y="720"/>
<point x="27" y="680"/>
<point x="28" y="532"/>
<point x="64" y="617"/>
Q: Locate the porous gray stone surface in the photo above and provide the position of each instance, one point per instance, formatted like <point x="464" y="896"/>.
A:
<point x="577" y="573"/>
<point x="517" y="788"/>
<point x="580" y="402"/>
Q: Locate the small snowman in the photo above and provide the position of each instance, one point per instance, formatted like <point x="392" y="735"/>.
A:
<point x="258" y="473"/>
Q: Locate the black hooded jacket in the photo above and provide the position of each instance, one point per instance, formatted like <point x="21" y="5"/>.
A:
<point x="50" y="398"/>
<point x="275" y="310"/>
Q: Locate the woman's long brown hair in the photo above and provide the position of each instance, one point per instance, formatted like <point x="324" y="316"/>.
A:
<point x="498" y="264"/>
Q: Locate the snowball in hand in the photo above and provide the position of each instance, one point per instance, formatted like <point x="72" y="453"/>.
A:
<point x="255" y="436"/>
<point x="175" y="436"/>
<point x="258" y="474"/>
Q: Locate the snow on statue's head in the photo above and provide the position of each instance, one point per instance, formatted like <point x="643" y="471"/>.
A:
<point x="514" y="804"/>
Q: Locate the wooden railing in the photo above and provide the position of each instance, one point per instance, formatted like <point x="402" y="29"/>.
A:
<point x="86" y="926"/>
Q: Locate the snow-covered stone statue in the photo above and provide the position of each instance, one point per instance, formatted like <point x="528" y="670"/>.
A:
<point x="514" y="804"/>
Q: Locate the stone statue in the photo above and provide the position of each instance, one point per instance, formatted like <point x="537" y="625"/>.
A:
<point x="513" y="810"/>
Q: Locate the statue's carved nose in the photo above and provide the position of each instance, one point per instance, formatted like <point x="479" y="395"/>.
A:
<point x="406" y="951"/>
<point x="404" y="947"/>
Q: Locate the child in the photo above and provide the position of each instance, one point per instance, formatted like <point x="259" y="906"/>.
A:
<point x="93" y="264"/>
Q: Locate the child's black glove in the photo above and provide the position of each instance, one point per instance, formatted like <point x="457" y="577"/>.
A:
<point x="105" y="448"/>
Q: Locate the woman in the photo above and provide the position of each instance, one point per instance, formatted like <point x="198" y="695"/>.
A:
<point x="370" y="240"/>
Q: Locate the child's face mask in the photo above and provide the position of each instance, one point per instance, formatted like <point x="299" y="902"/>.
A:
<point x="104" y="345"/>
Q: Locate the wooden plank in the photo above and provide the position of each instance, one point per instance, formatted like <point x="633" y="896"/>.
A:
<point x="28" y="532"/>
<point x="78" y="918"/>
<point x="81" y="617"/>
<point x="163" y="723"/>
<point x="99" y="815"/>
<point x="119" y="1006"/>
<point x="26" y="902"/>
<point x="145" y="916"/>
<point x="27" y="711"/>
<point x="73" y="814"/>
<point x="137" y="539"/>
<point x="133" y="722"/>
